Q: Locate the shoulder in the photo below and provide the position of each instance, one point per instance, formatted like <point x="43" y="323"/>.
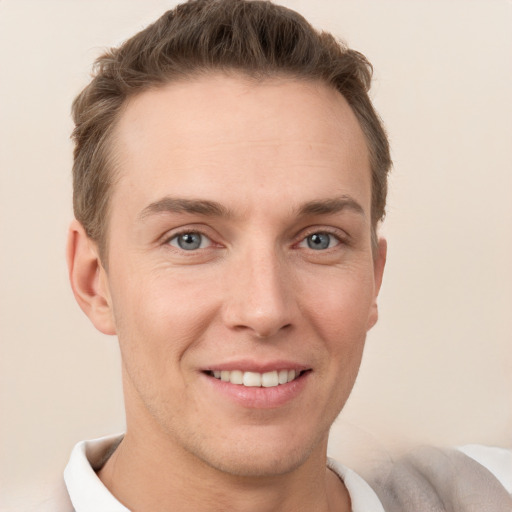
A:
<point x="472" y="478"/>
<point x="362" y="496"/>
<point x="48" y="494"/>
<point x="58" y="501"/>
<point x="497" y="460"/>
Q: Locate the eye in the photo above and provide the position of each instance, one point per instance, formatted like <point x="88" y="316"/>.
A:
<point x="190" y="241"/>
<point x="320" y="241"/>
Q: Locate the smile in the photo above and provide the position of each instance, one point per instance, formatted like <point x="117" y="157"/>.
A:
<point x="256" y="379"/>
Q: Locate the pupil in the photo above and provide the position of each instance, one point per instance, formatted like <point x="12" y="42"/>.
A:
<point x="318" y="241"/>
<point x="189" y="241"/>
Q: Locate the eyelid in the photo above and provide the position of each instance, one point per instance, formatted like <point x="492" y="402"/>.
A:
<point x="342" y="236"/>
<point x="182" y="230"/>
<point x="204" y="239"/>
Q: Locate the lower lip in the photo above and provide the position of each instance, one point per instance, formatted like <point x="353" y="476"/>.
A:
<point x="259" y="397"/>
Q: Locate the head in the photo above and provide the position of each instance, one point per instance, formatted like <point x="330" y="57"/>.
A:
<point x="256" y="38"/>
<point x="230" y="166"/>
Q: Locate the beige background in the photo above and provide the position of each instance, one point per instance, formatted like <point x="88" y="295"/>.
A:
<point x="437" y="368"/>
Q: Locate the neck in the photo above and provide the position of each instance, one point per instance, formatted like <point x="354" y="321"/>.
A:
<point x="148" y="476"/>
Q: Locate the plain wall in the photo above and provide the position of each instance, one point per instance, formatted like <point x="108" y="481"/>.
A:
<point x="437" y="367"/>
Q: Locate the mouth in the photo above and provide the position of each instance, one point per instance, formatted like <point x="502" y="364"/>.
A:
<point x="255" y="379"/>
<point x="257" y="385"/>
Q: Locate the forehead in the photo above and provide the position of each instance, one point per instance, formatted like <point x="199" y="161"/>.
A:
<point x="196" y="137"/>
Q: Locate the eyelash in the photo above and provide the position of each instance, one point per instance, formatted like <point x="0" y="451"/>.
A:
<point x="340" y="237"/>
<point x="331" y="233"/>
<point x="175" y="236"/>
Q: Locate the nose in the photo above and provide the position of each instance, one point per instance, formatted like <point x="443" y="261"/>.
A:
<point x="259" y="295"/>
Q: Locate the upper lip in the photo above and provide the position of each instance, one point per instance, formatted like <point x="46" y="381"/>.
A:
<point x="247" y="365"/>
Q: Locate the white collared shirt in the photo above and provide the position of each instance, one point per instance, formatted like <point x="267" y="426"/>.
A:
<point x="88" y="494"/>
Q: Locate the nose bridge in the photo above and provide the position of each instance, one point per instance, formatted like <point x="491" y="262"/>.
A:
<point x="258" y="290"/>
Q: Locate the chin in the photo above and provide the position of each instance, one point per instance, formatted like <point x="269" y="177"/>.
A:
<point x="259" y="464"/>
<point x="267" y="458"/>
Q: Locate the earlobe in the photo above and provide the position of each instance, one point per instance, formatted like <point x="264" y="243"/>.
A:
<point x="378" y="271"/>
<point x="88" y="279"/>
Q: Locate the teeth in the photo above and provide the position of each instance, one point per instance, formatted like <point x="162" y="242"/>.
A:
<point x="236" y="377"/>
<point x="252" y="379"/>
<point x="255" y="379"/>
<point x="269" y="379"/>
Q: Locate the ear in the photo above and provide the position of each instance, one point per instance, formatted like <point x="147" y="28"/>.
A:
<point x="379" y="262"/>
<point x="89" y="279"/>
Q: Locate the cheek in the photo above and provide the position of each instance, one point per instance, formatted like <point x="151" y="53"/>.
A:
<point x="159" y="318"/>
<point x="339" y="317"/>
<point x="340" y="302"/>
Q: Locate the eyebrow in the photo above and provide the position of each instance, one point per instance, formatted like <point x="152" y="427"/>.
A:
<point x="330" y="206"/>
<point x="215" y="209"/>
<point x="177" y="205"/>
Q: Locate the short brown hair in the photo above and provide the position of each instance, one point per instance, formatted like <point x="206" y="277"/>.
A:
<point x="257" y="38"/>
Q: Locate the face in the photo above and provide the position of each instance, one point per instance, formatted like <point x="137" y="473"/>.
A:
<point x="241" y="276"/>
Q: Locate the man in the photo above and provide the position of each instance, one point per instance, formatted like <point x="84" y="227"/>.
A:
<point x="229" y="177"/>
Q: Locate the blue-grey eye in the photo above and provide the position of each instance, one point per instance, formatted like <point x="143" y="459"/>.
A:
<point x="190" y="241"/>
<point x="321" y="241"/>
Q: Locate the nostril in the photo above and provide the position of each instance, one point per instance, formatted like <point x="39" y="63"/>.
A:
<point x="270" y="330"/>
<point x="258" y="313"/>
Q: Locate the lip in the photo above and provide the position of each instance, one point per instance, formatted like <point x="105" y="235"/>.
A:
<point x="257" y="397"/>
<point x="246" y="365"/>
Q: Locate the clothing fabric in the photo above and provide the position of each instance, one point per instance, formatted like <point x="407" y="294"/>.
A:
<point x="404" y="478"/>
<point x="445" y="480"/>
<point x="88" y="494"/>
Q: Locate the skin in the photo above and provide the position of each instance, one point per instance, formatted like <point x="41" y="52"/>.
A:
<point x="254" y="290"/>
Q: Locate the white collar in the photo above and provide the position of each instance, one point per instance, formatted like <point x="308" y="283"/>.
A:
<point x="362" y="496"/>
<point x="88" y="494"/>
<point x="86" y="490"/>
